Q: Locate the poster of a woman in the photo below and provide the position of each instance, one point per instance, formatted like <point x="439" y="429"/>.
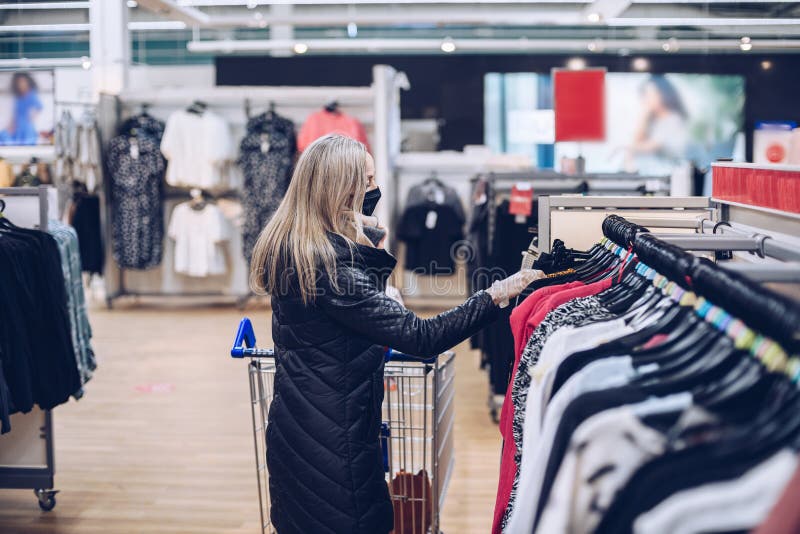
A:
<point x="26" y="108"/>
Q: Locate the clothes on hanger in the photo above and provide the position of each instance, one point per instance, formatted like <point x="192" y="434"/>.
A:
<point x="197" y="145"/>
<point x="324" y="122"/>
<point x="83" y="214"/>
<point x="636" y="405"/>
<point x="432" y="228"/>
<point x="39" y="363"/>
<point x="80" y="330"/>
<point x="199" y="235"/>
<point x="136" y="169"/>
<point x="266" y="157"/>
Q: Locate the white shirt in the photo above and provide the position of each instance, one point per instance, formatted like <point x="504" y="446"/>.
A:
<point x="739" y="504"/>
<point x="198" y="236"/>
<point x="197" y="147"/>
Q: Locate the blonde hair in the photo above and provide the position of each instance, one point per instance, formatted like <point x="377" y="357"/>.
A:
<point x="327" y="189"/>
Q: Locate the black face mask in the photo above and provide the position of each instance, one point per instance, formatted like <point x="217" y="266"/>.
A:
<point x="371" y="199"/>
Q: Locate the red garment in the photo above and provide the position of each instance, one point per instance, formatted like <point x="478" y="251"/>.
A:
<point x="508" y="468"/>
<point x="785" y="515"/>
<point x="525" y="309"/>
<point x="324" y="122"/>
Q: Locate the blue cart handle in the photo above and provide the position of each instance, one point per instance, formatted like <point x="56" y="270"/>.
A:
<point x="396" y="356"/>
<point x="245" y="342"/>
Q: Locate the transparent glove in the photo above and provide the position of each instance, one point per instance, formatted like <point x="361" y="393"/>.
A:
<point x="503" y="290"/>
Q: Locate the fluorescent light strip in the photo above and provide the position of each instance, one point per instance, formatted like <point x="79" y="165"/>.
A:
<point x="157" y="25"/>
<point x="211" y="3"/>
<point x="434" y="45"/>
<point x="42" y="62"/>
<point x="700" y="21"/>
<point x="45" y="5"/>
<point x="45" y="28"/>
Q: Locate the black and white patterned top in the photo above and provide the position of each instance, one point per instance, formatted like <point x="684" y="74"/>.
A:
<point x="136" y="170"/>
<point x="266" y="158"/>
<point x="577" y="312"/>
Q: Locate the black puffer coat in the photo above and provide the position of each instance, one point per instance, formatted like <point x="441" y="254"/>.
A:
<point x="323" y="449"/>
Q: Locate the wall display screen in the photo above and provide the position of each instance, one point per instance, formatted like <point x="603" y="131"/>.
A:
<point x="654" y="123"/>
<point x="27" y="107"/>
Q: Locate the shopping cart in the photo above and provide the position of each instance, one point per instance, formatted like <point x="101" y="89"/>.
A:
<point x="416" y="433"/>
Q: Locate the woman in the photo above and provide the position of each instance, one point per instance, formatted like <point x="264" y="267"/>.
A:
<point x="661" y="135"/>
<point x="331" y="322"/>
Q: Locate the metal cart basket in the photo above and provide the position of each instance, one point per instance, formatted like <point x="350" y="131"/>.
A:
<point x="416" y="433"/>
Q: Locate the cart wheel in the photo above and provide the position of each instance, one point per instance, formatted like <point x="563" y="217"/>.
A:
<point x="47" y="499"/>
<point x="494" y="416"/>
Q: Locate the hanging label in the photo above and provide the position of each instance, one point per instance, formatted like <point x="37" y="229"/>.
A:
<point x="521" y="201"/>
<point x="438" y="196"/>
<point x="430" y="220"/>
<point x="265" y="143"/>
<point x="134" y="148"/>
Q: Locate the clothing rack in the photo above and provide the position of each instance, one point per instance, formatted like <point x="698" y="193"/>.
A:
<point x="27" y="460"/>
<point x="766" y="311"/>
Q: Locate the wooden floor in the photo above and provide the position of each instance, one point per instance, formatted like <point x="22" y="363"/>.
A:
<point x="162" y="441"/>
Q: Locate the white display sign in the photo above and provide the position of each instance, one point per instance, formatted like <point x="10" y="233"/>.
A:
<point x="531" y="126"/>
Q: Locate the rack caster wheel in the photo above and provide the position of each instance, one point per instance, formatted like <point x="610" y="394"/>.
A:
<point x="495" y="416"/>
<point x="47" y="499"/>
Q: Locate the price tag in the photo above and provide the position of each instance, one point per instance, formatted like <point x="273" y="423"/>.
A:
<point x="265" y="145"/>
<point x="430" y="220"/>
<point x="134" y="148"/>
<point x="521" y="201"/>
<point x="438" y="196"/>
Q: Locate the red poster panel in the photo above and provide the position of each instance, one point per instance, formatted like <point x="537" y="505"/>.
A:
<point x="579" y="100"/>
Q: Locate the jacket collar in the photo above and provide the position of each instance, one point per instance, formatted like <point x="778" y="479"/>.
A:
<point x="375" y="261"/>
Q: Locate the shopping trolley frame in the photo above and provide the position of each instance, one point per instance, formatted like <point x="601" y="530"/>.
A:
<point x="405" y="435"/>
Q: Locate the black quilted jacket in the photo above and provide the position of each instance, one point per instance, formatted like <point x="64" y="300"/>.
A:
<point x="323" y="453"/>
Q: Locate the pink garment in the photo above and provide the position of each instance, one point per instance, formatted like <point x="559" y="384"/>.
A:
<point x="508" y="468"/>
<point x="325" y="122"/>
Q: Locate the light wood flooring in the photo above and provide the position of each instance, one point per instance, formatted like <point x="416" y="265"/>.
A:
<point x="162" y="441"/>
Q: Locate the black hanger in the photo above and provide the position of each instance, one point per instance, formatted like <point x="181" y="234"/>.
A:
<point x="198" y="107"/>
<point x="332" y="106"/>
<point x="2" y="205"/>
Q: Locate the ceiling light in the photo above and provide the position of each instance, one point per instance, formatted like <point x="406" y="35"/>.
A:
<point x="252" y="4"/>
<point x="132" y="4"/>
<point x="594" y="17"/>
<point x="766" y="65"/>
<point x="448" y="45"/>
<point x="352" y="29"/>
<point x="641" y="64"/>
<point x="86" y="63"/>
<point x="596" y="46"/>
<point x="745" y="44"/>
<point x="671" y="45"/>
<point x="300" y="48"/>
<point x="576" y="63"/>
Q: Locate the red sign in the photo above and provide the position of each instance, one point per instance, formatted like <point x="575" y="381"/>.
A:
<point x="521" y="201"/>
<point x="579" y="101"/>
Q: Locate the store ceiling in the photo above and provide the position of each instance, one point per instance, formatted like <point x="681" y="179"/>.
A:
<point x="188" y="30"/>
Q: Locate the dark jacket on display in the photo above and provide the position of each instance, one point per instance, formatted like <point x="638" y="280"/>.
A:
<point x="323" y="453"/>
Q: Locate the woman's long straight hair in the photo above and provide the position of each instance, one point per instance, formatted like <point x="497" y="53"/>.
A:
<point x="327" y="189"/>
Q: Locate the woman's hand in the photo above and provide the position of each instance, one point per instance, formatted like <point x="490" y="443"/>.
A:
<point x="503" y="290"/>
<point x="369" y="220"/>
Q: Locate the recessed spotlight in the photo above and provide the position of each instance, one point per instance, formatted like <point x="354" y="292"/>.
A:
<point x="132" y="3"/>
<point x="746" y="45"/>
<point x="596" y="46"/>
<point x="352" y="29"/>
<point x="86" y="63"/>
<point x="594" y="17"/>
<point x="766" y="65"/>
<point x="640" y="64"/>
<point x="671" y="45"/>
<point x="576" y="63"/>
<point x="300" y="48"/>
<point x="448" y="45"/>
